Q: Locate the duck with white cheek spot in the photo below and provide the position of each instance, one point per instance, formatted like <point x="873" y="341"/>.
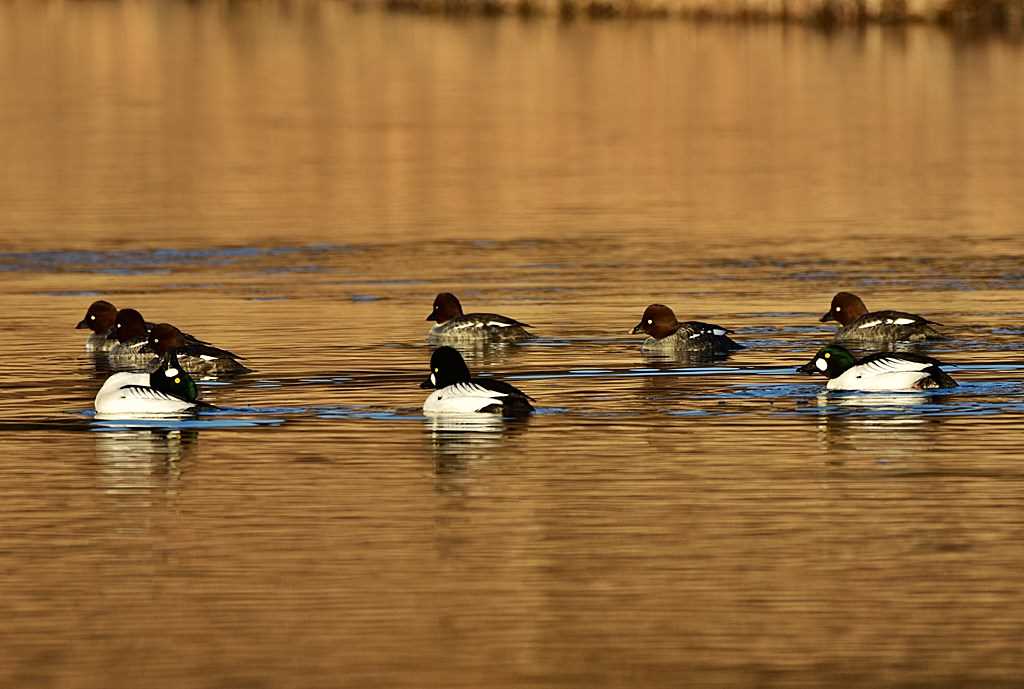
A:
<point x="167" y="390"/>
<point x="456" y="392"/>
<point x="99" y="318"/>
<point x="668" y="334"/>
<point x="454" y="325"/>
<point x="860" y="325"/>
<point x="878" y="372"/>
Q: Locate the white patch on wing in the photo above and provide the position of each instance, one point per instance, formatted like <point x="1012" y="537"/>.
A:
<point x="869" y="324"/>
<point x="893" y="364"/>
<point x="139" y="392"/>
<point x="696" y="334"/>
<point x="207" y="357"/>
<point x="461" y="398"/>
<point x="904" y="321"/>
<point x="721" y="332"/>
<point x="499" y="324"/>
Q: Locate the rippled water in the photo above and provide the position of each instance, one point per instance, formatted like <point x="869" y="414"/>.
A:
<point x="296" y="181"/>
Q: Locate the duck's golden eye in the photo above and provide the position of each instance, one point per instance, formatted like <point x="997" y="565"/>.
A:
<point x="437" y="370"/>
<point x="177" y="380"/>
<point x="828" y="354"/>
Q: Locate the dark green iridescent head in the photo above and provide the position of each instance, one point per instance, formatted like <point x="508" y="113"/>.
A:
<point x="831" y="361"/>
<point x="170" y="377"/>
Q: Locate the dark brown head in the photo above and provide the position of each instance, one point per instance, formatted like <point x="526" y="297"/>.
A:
<point x="165" y="338"/>
<point x="99" y="318"/>
<point x="446" y="307"/>
<point x="846" y="308"/>
<point x="129" y="325"/>
<point x="658" y="321"/>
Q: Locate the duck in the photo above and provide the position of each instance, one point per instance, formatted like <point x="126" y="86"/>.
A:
<point x="168" y="389"/>
<point x="857" y="324"/>
<point x="99" y="318"/>
<point x="877" y="372"/>
<point x="456" y="392"/>
<point x="666" y="333"/>
<point x="132" y="333"/>
<point x="453" y="324"/>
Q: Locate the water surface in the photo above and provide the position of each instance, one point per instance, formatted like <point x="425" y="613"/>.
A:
<point x="296" y="181"/>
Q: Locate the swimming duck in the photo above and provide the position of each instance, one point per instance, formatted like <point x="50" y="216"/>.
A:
<point x="881" y="371"/>
<point x="455" y="392"/>
<point x="667" y="333"/>
<point x="132" y="334"/>
<point x="453" y="324"/>
<point x="167" y="390"/>
<point x="99" y="318"/>
<point x="860" y="325"/>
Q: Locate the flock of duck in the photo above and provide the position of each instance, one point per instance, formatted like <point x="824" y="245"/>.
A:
<point x="171" y="357"/>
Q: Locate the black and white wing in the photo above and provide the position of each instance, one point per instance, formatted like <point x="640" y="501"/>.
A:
<point x="481" y="395"/>
<point x="697" y="335"/>
<point x="887" y="362"/>
<point x="891" y="326"/>
<point x="893" y="371"/>
<point x="147" y="394"/>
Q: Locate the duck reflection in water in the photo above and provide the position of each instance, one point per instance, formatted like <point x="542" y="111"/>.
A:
<point x="457" y="442"/>
<point x="483" y="353"/>
<point x="880" y="426"/>
<point x="687" y="358"/>
<point x="142" y="459"/>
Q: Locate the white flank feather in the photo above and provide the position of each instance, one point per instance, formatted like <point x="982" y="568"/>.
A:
<point x="884" y="374"/>
<point x="461" y="398"/>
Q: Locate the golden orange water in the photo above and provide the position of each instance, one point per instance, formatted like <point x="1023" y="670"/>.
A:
<point x="295" y="181"/>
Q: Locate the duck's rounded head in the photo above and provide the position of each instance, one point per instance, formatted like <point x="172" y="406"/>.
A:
<point x="129" y="325"/>
<point x="447" y="367"/>
<point x="831" y="361"/>
<point x="658" y="321"/>
<point x="446" y="307"/>
<point x="846" y="308"/>
<point x="164" y="338"/>
<point x="99" y="317"/>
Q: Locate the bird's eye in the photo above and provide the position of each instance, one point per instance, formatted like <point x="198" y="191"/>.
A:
<point x="437" y="370"/>
<point x="650" y="322"/>
<point x="839" y="308"/>
<point x="92" y="318"/>
<point x="118" y="325"/>
<point x="828" y="354"/>
<point x="177" y="380"/>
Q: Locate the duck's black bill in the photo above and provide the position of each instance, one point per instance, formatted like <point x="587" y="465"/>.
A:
<point x="808" y="369"/>
<point x="637" y="329"/>
<point x="427" y="384"/>
<point x="82" y="324"/>
<point x="431" y="317"/>
<point x="826" y="318"/>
